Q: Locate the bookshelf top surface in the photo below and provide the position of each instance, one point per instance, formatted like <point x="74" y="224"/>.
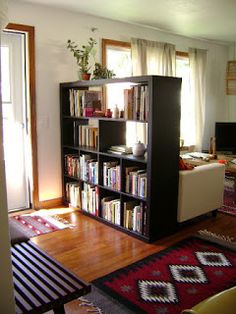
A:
<point x="103" y="119"/>
<point x="133" y="79"/>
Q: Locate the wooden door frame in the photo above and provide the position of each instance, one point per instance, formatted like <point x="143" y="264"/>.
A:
<point x="29" y="31"/>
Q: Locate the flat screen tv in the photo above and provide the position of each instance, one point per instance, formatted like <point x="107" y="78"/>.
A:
<point x="225" y="134"/>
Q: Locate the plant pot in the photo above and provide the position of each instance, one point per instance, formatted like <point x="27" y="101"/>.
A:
<point x="85" y="76"/>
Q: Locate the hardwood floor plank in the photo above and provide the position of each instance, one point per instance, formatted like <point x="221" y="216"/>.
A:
<point x="92" y="249"/>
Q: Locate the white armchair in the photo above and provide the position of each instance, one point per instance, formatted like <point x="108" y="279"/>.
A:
<point x="201" y="190"/>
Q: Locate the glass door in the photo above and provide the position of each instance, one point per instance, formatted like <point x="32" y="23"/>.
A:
<point x="14" y="109"/>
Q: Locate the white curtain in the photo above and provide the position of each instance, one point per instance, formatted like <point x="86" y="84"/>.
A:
<point x="151" y="58"/>
<point x="3" y="14"/>
<point x="198" y="65"/>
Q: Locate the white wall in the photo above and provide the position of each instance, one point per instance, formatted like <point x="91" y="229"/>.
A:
<point x="54" y="64"/>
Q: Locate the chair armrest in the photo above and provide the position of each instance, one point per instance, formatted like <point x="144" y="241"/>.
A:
<point x="200" y="190"/>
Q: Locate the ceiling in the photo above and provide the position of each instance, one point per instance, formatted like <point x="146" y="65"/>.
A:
<point x="205" y="19"/>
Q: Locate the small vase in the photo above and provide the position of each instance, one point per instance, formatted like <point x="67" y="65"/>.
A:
<point x="116" y="112"/>
<point x="139" y="149"/>
<point x="85" y="76"/>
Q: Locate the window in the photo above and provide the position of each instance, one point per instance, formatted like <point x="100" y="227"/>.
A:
<point x="116" y="55"/>
<point x="187" y="130"/>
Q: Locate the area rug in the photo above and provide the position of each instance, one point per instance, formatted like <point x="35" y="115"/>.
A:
<point x="167" y="282"/>
<point x="34" y="225"/>
<point x="229" y="206"/>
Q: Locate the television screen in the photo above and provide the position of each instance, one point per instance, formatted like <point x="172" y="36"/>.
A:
<point x="225" y="133"/>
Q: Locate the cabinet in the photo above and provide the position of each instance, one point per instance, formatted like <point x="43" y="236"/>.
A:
<point x="136" y="195"/>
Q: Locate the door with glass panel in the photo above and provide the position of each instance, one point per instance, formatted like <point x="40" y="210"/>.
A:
<point x="14" y="112"/>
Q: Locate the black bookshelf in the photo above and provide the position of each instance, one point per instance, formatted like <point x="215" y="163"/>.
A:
<point x="159" y="206"/>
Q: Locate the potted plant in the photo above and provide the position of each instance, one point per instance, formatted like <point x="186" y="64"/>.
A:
<point x="102" y="72"/>
<point x="82" y="56"/>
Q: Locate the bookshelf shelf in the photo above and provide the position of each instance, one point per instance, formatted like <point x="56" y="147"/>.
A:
<point x="136" y="195"/>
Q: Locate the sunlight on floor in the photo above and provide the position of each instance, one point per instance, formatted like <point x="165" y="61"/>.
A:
<point x="54" y="211"/>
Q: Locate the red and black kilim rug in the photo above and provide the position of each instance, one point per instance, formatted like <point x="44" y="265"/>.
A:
<point x="174" y="279"/>
<point x="34" y="225"/>
<point x="229" y="206"/>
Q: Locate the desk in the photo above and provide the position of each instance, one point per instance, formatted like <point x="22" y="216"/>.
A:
<point x="230" y="167"/>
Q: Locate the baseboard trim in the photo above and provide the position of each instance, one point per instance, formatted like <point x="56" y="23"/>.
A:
<point x="50" y="203"/>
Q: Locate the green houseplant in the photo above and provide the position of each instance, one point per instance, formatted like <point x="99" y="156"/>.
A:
<point x="102" y="72"/>
<point x="82" y="56"/>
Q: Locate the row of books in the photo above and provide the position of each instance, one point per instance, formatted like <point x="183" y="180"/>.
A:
<point x="90" y="199"/>
<point x="72" y="165"/>
<point x="73" y="194"/>
<point x="111" y="175"/>
<point x="83" y="167"/>
<point x="88" y="136"/>
<point x="84" y="102"/>
<point x="87" y="199"/>
<point x="88" y="168"/>
<point x="136" y="103"/>
<point x="135" y="216"/>
<point x="111" y="210"/>
<point x="136" y="181"/>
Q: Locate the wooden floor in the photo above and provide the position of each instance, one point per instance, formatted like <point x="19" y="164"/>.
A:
<point x="92" y="249"/>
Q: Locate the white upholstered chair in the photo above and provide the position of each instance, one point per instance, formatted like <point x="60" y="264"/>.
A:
<point x="201" y="190"/>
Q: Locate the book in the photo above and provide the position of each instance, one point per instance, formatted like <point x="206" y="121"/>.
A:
<point x="128" y="103"/>
<point x="128" y="179"/>
<point x="107" y="165"/>
<point x="90" y="99"/>
<point x="121" y="149"/>
<point x="128" y="213"/>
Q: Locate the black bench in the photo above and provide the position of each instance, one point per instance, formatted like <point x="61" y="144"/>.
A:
<point x="40" y="282"/>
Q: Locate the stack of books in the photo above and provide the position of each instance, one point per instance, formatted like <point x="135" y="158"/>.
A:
<point x="120" y="149"/>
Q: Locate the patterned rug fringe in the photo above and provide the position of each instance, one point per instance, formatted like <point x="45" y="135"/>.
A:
<point x="62" y="220"/>
<point x="223" y="240"/>
<point x="86" y="303"/>
<point x="216" y="236"/>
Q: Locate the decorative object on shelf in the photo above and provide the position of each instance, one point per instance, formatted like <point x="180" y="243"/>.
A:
<point x="212" y="148"/>
<point x="87" y="112"/>
<point x="181" y="143"/>
<point x="108" y="113"/>
<point x="231" y="76"/>
<point x="116" y="112"/>
<point x="102" y="72"/>
<point x="99" y="113"/>
<point x="82" y="56"/>
<point x="139" y="149"/>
